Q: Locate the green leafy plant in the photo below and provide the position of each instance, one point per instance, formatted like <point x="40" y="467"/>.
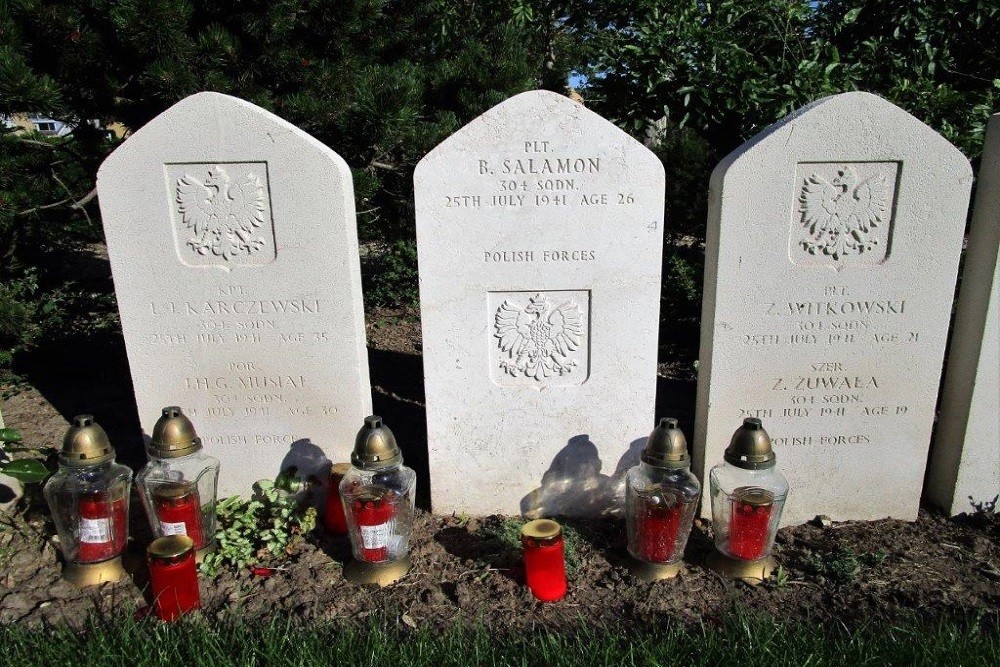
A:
<point x="843" y="565"/>
<point x="26" y="469"/>
<point x="508" y="533"/>
<point x="263" y="530"/>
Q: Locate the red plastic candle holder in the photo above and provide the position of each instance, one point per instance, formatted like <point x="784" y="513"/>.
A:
<point x="750" y="522"/>
<point x="102" y="528"/>
<point x="173" y="577"/>
<point x="178" y="510"/>
<point x="374" y="511"/>
<point x="660" y="519"/>
<point x="544" y="559"/>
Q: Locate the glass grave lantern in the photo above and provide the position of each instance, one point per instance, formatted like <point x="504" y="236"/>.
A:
<point x="89" y="498"/>
<point x="661" y="495"/>
<point x="378" y="495"/>
<point x="179" y="483"/>
<point x="748" y="494"/>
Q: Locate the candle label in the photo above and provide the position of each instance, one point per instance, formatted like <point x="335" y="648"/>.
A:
<point x="95" y="531"/>
<point x="173" y="528"/>
<point x="375" y="537"/>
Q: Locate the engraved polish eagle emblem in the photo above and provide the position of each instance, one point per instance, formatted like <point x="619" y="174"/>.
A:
<point x="538" y="338"/>
<point x="223" y="214"/>
<point x="840" y="215"/>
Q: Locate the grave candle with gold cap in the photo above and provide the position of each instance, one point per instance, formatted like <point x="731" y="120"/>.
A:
<point x="179" y="483"/>
<point x="544" y="554"/>
<point x="173" y="576"/>
<point x="378" y="496"/>
<point x="334" y="517"/>
<point x="89" y="499"/>
<point x="661" y="495"/>
<point x="748" y="494"/>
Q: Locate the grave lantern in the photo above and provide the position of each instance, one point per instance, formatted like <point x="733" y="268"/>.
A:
<point x="378" y="494"/>
<point x="88" y="498"/>
<point x="661" y="495"/>
<point x="748" y="494"/>
<point x="179" y="483"/>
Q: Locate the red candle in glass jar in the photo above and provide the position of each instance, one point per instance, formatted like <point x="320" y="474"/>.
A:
<point x="334" y="517"/>
<point x="173" y="576"/>
<point x="750" y="522"/>
<point x="544" y="559"/>
<point x="659" y="518"/>
<point x="178" y="510"/>
<point x="374" y="509"/>
<point x="102" y="529"/>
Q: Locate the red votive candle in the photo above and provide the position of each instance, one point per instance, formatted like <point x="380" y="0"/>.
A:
<point x="374" y="510"/>
<point x="659" y="520"/>
<point x="173" y="576"/>
<point x="544" y="559"/>
<point x="750" y="522"/>
<point x="103" y="527"/>
<point x="178" y="510"/>
<point x="333" y="515"/>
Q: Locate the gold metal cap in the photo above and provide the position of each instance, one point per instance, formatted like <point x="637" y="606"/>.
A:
<point x="750" y="447"/>
<point x="339" y="470"/>
<point x="173" y="490"/>
<point x="174" y="435"/>
<point x="754" y="496"/>
<point x="86" y="444"/>
<point x="666" y="446"/>
<point x="170" y="546"/>
<point x="541" y="529"/>
<point x="375" y="447"/>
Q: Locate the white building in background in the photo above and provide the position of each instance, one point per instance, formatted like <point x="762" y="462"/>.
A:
<point x="49" y="127"/>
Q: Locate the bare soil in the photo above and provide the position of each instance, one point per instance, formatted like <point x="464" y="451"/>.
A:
<point x="463" y="568"/>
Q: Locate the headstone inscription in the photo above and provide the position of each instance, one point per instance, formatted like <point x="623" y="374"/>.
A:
<point x="539" y="235"/>
<point x="234" y="252"/>
<point x="965" y="458"/>
<point x="831" y="256"/>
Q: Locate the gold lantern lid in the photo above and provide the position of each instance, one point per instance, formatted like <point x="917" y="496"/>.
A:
<point x="541" y="529"/>
<point x="171" y="546"/>
<point x="375" y="447"/>
<point x="666" y="446"/>
<point x="174" y="435"/>
<point x="86" y="444"/>
<point x="750" y="447"/>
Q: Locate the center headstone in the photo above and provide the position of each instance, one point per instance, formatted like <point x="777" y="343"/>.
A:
<point x="234" y="251"/>
<point x="539" y="235"/>
<point x="831" y="256"/>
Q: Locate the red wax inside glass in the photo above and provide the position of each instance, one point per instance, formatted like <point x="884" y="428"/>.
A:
<point x="333" y="515"/>
<point x="658" y="526"/>
<point x="749" y="526"/>
<point x="545" y="567"/>
<point x="373" y="513"/>
<point x="180" y="514"/>
<point x="102" y="529"/>
<point x="174" y="583"/>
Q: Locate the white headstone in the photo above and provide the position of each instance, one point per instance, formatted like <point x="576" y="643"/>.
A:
<point x="965" y="459"/>
<point x="831" y="256"/>
<point x="539" y="235"/>
<point x="234" y="252"/>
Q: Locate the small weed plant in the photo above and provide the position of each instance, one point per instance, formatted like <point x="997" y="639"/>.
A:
<point x="508" y="533"/>
<point x="263" y="530"/>
<point x="843" y="565"/>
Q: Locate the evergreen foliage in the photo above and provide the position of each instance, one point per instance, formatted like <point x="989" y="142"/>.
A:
<point x="383" y="81"/>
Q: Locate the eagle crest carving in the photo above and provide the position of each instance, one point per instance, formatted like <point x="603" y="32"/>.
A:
<point x="840" y="216"/>
<point x="222" y="214"/>
<point x="538" y="338"/>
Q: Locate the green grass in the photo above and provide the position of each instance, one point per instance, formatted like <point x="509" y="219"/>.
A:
<point x="739" y="640"/>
